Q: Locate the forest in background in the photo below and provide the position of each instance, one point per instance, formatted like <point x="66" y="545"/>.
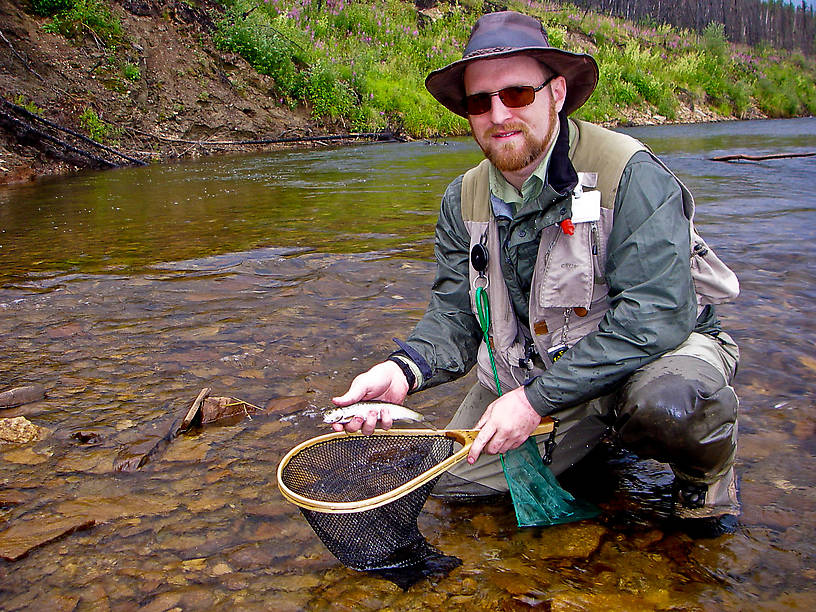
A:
<point x="784" y="24"/>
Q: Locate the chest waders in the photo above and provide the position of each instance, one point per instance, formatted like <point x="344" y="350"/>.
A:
<point x="538" y="499"/>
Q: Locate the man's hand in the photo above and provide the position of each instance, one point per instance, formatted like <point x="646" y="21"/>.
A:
<point x="505" y="425"/>
<point x="384" y="382"/>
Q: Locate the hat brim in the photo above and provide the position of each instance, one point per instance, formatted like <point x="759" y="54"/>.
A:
<point x="579" y="69"/>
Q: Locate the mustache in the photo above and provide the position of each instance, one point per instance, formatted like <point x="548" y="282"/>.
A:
<point x="507" y="127"/>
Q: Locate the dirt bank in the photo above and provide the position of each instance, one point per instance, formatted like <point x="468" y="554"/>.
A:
<point x="186" y="90"/>
<point x="161" y="92"/>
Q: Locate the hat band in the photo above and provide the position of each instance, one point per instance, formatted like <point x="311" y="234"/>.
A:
<point x="489" y="51"/>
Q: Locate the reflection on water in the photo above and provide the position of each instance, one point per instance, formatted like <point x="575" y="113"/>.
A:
<point x="275" y="279"/>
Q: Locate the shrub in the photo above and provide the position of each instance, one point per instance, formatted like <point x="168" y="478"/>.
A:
<point x="49" y="8"/>
<point x="91" y="14"/>
<point x="131" y="72"/>
<point x="97" y="129"/>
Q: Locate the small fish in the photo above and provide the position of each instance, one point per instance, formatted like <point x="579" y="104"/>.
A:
<point x="345" y="414"/>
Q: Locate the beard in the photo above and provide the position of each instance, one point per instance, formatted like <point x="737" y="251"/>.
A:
<point x="512" y="157"/>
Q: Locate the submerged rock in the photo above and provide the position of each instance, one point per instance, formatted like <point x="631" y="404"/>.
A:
<point x="21" y="395"/>
<point x="24" y="536"/>
<point x="19" y="430"/>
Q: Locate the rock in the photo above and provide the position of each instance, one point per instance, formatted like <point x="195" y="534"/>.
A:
<point x="575" y="541"/>
<point x="21" y="395"/>
<point x="24" y="536"/>
<point x="26" y="456"/>
<point x="19" y="430"/>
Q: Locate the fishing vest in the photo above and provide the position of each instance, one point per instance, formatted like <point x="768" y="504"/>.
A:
<point x="568" y="292"/>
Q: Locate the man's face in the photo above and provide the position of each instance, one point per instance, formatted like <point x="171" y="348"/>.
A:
<point x="514" y="139"/>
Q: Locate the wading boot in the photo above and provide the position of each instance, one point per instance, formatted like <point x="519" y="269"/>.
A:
<point x="707" y="511"/>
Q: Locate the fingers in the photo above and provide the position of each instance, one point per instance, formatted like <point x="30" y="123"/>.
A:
<point x="385" y="381"/>
<point x="385" y="418"/>
<point x="483" y="439"/>
<point x="367" y="423"/>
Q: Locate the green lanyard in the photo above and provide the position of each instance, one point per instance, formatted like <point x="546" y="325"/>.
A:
<point x="483" y="310"/>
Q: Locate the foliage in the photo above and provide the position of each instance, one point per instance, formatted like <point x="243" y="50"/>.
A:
<point x="27" y="104"/>
<point x="131" y="72"/>
<point x="48" y="8"/>
<point x="362" y="64"/>
<point x="97" y="129"/>
<point x="79" y="17"/>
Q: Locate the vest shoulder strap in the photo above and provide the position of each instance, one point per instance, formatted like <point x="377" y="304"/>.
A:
<point x="602" y="151"/>
<point x="475" y="196"/>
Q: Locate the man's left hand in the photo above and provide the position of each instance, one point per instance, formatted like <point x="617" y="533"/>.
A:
<point x="505" y="425"/>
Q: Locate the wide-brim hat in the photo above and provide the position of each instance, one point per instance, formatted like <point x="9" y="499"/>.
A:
<point x="505" y="34"/>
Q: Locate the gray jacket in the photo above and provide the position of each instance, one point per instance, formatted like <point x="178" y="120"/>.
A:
<point x="652" y="303"/>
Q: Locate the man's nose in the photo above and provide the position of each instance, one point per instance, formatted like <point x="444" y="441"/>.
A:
<point x="499" y="113"/>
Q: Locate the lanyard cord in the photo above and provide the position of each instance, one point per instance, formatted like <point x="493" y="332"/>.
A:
<point x="483" y="310"/>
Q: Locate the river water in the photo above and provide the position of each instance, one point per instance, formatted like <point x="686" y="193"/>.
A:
<point x="276" y="278"/>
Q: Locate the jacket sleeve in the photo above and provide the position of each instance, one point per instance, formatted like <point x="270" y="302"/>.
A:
<point x="448" y="335"/>
<point x="652" y="302"/>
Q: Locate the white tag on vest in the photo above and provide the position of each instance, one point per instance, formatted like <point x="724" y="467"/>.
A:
<point x="586" y="206"/>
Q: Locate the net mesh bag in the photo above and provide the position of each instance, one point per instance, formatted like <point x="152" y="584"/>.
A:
<point x="538" y="499"/>
<point x="354" y="468"/>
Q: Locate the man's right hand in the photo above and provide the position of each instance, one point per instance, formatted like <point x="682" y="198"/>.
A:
<point x="384" y="382"/>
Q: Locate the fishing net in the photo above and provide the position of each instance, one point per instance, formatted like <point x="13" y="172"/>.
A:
<point x="384" y="539"/>
<point x="537" y="497"/>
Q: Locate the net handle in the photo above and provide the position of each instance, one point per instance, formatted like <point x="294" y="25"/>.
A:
<point x="465" y="437"/>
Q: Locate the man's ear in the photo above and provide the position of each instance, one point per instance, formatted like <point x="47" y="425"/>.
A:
<point x="558" y="87"/>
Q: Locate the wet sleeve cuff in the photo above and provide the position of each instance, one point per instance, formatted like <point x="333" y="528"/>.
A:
<point x="409" y="370"/>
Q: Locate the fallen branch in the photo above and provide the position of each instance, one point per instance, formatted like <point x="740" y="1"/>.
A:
<point x="379" y="136"/>
<point x="24" y="128"/>
<point x="34" y="117"/>
<point x="740" y="156"/>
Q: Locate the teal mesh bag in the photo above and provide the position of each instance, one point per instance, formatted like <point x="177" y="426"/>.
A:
<point x="538" y="499"/>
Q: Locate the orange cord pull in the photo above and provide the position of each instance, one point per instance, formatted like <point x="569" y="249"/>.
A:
<point x="568" y="227"/>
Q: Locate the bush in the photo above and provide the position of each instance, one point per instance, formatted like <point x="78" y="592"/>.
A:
<point x="97" y="129"/>
<point x="49" y="8"/>
<point x="92" y="14"/>
<point x="131" y="72"/>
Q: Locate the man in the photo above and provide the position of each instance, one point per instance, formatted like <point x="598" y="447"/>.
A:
<point x="599" y="290"/>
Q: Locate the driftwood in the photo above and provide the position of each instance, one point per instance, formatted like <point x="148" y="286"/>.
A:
<point x="24" y="130"/>
<point x="203" y="411"/>
<point x="33" y="117"/>
<point x="740" y="156"/>
<point x="194" y="413"/>
<point x="383" y="136"/>
<point x="21" y="395"/>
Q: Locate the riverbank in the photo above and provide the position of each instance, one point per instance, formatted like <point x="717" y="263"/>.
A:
<point x="180" y="79"/>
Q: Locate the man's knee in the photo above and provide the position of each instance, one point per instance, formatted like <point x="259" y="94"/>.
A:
<point x="687" y="420"/>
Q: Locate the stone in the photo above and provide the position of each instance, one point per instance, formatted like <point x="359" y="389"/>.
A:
<point x="19" y="430"/>
<point x="21" y="395"/>
<point x="24" y="536"/>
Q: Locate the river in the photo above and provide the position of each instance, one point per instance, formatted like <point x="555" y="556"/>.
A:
<point x="275" y="279"/>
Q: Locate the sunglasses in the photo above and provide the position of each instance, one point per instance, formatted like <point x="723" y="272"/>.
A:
<point x="512" y="97"/>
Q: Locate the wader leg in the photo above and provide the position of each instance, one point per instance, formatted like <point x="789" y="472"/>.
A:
<point x="681" y="410"/>
<point x="579" y="430"/>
